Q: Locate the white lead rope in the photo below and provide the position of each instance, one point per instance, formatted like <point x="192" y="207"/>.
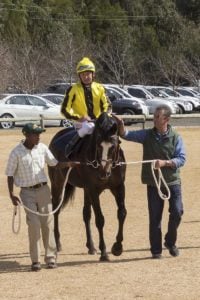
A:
<point x="158" y="181"/>
<point x="18" y="211"/>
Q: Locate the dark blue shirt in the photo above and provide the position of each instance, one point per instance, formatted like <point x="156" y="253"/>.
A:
<point x="139" y="136"/>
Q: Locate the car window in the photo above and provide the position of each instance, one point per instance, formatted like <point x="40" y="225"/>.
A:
<point x="171" y="92"/>
<point x="55" y="99"/>
<point x="111" y="95"/>
<point x="18" y="100"/>
<point x="136" y="93"/>
<point x="36" y="101"/>
<point x="155" y="92"/>
<point x="185" y="93"/>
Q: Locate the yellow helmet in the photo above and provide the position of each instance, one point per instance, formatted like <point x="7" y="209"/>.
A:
<point x="85" y="65"/>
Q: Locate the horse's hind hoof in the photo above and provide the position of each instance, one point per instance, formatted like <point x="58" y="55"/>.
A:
<point x="92" y="251"/>
<point x="104" y="258"/>
<point x="117" y="249"/>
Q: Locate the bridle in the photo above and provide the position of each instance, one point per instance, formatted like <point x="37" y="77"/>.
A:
<point x="114" y="161"/>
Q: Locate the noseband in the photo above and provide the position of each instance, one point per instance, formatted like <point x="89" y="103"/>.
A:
<point x="114" y="162"/>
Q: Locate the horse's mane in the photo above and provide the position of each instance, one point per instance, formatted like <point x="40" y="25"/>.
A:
<point x="106" y="126"/>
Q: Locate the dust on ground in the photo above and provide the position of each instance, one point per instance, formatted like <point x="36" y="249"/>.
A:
<point x="133" y="274"/>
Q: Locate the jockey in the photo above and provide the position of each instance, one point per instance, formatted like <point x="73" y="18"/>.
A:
<point x="84" y="101"/>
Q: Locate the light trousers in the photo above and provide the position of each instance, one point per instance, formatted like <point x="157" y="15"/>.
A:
<point x="39" y="200"/>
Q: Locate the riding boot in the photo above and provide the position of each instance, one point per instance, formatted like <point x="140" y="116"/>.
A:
<point x="70" y="146"/>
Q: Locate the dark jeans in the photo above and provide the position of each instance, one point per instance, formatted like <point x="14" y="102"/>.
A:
<point x="155" y="206"/>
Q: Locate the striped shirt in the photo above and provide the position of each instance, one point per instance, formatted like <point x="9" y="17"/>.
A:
<point x="27" y="166"/>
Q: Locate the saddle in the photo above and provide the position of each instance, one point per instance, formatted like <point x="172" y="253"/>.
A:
<point x="68" y="142"/>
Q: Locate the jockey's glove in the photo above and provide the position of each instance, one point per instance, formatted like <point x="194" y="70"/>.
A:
<point x="86" y="128"/>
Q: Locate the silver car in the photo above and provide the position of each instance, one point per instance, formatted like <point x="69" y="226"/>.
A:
<point x="27" y="106"/>
<point x="151" y="101"/>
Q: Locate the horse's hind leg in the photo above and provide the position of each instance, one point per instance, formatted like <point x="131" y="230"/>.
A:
<point x="119" y="194"/>
<point x="56" y="230"/>
<point x="87" y="218"/>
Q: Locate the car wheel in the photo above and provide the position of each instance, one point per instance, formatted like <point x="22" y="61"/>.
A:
<point x="181" y="110"/>
<point x="9" y="124"/>
<point x="66" y="123"/>
<point x="128" y="112"/>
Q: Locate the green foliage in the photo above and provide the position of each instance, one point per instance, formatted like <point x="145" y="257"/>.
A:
<point x="129" y="40"/>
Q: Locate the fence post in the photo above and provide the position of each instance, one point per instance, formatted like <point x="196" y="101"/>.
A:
<point x="144" y="120"/>
<point x="42" y="121"/>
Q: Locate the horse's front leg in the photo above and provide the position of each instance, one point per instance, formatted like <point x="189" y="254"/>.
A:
<point x="99" y="220"/>
<point x="86" y="219"/>
<point x="57" y="181"/>
<point x="119" y="195"/>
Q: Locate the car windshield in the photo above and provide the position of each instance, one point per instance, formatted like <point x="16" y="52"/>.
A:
<point x="55" y="99"/>
<point x="171" y="92"/>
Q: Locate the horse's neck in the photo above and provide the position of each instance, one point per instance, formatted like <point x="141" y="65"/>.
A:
<point x="90" y="152"/>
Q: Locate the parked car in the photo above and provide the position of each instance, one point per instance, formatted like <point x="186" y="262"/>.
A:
<point x="58" y="88"/>
<point x="54" y="98"/>
<point x="188" y="92"/>
<point x="126" y="106"/>
<point x="25" y="105"/>
<point x="184" y="105"/>
<point x="171" y="93"/>
<point x="57" y="99"/>
<point x="151" y="101"/>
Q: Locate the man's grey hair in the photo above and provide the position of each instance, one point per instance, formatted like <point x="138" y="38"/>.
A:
<point x="165" y="110"/>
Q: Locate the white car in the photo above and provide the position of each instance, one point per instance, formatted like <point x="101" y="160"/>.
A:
<point x="31" y="106"/>
<point x="192" y="100"/>
<point x="54" y="98"/>
<point x="151" y="101"/>
<point x="184" y="105"/>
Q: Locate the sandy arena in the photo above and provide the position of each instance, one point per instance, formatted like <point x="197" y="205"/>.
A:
<point x="133" y="275"/>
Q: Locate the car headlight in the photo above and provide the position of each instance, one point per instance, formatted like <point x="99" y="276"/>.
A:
<point x="135" y="104"/>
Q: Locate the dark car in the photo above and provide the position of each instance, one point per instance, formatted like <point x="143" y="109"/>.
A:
<point x="126" y="106"/>
<point x="58" y="88"/>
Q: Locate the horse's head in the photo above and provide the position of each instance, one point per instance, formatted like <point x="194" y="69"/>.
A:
<point x="106" y="144"/>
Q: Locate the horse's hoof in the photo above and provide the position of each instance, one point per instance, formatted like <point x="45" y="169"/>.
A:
<point x="117" y="249"/>
<point x="104" y="258"/>
<point x="92" y="251"/>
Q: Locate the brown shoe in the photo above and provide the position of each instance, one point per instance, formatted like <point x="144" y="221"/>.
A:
<point x="35" y="266"/>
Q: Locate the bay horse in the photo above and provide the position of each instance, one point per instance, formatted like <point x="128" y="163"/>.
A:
<point x="101" y="166"/>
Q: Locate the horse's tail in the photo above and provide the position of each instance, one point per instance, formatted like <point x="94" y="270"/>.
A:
<point x="69" y="194"/>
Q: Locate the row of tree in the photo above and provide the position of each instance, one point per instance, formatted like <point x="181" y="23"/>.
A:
<point x="130" y="41"/>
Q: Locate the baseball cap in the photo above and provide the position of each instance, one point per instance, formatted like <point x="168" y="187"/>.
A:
<point x="32" y="128"/>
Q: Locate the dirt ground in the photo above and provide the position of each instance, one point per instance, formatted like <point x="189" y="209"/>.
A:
<point x="132" y="275"/>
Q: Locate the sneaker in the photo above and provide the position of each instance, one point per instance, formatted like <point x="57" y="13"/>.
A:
<point x="156" y="256"/>
<point x="51" y="265"/>
<point x="173" y="250"/>
<point x="35" y="266"/>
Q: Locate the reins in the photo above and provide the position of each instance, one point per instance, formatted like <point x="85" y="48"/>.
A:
<point x="17" y="210"/>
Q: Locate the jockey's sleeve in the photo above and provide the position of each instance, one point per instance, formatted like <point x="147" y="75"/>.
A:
<point x="106" y="104"/>
<point x="67" y="104"/>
